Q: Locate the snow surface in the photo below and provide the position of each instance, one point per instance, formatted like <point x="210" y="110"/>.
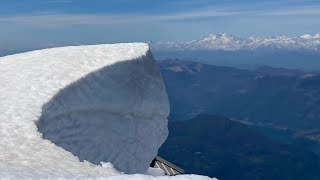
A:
<point x="113" y="96"/>
<point x="155" y="172"/>
<point x="19" y="176"/>
<point x="116" y="114"/>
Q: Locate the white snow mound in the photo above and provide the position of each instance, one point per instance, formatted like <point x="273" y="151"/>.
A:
<point x="98" y="103"/>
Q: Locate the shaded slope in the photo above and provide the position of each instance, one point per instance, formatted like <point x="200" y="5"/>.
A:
<point x="278" y="97"/>
<point x="226" y="149"/>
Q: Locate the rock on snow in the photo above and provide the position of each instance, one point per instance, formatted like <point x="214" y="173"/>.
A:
<point x="93" y="103"/>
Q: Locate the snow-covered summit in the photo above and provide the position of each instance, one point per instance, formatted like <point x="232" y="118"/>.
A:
<point x="230" y="43"/>
<point x="217" y="37"/>
<point x="94" y="103"/>
<point x="309" y="36"/>
<point x="27" y="82"/>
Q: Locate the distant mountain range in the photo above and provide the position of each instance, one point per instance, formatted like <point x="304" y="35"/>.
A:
<point x="247" y="53"/>
<point x="231" y="43"/>
<point x="274" y="97"/>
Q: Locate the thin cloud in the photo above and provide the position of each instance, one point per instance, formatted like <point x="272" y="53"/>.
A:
<point x="295" y="11"/>
<point x="58" y="1"/>
<point x="51" y="20"/>
<point x="189" y="3"/>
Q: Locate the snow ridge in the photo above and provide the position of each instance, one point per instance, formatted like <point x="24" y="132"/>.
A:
<point x="117" y="114"/>
<point x="230" y="43"/>
<point x="27" y="82"/>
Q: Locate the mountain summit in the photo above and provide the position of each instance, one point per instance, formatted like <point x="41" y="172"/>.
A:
<point x="66" y="110"/>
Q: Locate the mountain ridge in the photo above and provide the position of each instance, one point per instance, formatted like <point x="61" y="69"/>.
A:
<point x="223" y="41"/>
<point x="277" y="96"/>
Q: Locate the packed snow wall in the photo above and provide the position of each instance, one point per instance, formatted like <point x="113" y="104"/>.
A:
<point x="99" y="103"/>
<point x="116" y="114"/>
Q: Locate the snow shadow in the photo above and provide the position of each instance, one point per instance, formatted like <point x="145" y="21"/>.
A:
<point x="116" y="114"/>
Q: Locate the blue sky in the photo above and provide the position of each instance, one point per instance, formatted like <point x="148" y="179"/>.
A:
<point x="28" y="23"/>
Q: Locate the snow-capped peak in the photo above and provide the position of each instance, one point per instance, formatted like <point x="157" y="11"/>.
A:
<point x="309" y="36"/>
<point x="228" y="42"/>
<point x="217" y="37"/>
<point x="306" y="36"/>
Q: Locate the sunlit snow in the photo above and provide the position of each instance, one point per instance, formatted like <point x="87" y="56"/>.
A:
<point x="31" y="82"/>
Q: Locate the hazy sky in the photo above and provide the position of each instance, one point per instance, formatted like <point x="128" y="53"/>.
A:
<point x="28" y="23"/>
